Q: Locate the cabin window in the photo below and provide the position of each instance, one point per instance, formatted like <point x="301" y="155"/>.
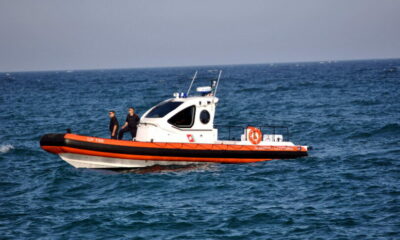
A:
<point x="184" y="118"/>
<point x="204" y="117"/>
<point x="163" y="109"/>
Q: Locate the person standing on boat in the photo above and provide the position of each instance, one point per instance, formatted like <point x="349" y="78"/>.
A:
<point x="130" y="125"/>
<point x="114" y="125"/>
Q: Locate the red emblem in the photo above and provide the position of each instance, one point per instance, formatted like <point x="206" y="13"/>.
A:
<point x="190" y="137"/>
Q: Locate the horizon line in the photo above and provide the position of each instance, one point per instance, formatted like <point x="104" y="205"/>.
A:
<point x="199" y="65"/>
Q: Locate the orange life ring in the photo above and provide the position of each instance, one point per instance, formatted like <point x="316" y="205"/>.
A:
<point x="254" y="134"/>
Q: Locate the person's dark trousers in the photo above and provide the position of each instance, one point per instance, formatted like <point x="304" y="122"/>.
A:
<point x="114" y="137"/>
<point x="127" y="129"/>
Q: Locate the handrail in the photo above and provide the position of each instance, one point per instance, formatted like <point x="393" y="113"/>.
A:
<point x="261" y="127"/>
<point x="248" y="125"/>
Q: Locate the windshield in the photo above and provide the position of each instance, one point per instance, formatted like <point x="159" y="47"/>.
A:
<point x="163" y="109"/>
<point x="184" y="118"/>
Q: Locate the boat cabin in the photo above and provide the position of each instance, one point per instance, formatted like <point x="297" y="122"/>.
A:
<point x="180" y="119"/>
<point x="183" y="118"/>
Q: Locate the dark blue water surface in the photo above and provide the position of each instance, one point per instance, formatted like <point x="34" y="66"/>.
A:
<point x="348" y="188"/>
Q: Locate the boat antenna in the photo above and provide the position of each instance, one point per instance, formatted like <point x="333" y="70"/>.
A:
<point x="216" y="87"/>
<point x="191" y="84"/>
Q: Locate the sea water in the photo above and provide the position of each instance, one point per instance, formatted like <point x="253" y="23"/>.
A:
<point x="347" y="188"/>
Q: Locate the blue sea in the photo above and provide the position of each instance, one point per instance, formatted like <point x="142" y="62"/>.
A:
<point x="347" y="188"/>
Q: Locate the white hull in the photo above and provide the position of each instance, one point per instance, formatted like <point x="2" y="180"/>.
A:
<point x="85" y="161"/>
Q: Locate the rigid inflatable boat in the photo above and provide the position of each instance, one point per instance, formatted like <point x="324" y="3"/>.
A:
<point x="177" y="131"/>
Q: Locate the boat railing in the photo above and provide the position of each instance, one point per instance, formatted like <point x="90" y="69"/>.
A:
<point x="237" y="130"/>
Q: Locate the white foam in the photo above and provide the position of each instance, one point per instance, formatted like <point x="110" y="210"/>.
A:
<point x="5" y="148"/>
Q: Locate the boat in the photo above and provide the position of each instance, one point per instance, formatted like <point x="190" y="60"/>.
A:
<point x="177" y="131"/>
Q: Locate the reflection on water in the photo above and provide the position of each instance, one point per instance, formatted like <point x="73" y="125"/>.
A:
<point x="164" y="169"/>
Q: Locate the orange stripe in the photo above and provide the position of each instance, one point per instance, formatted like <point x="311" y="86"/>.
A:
<point x="58" y="150"/>
<point x="203" y="146"/>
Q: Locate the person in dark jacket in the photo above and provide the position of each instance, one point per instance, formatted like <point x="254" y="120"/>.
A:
<point x="114" y="125"/>
<point x="130" y="125"/>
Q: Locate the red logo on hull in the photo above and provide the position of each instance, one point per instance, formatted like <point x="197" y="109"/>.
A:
<point x="190" y="137"/>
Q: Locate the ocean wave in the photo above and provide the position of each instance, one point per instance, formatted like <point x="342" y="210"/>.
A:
<point x="5" y="148"/>
<point x="388" y="129"/>
<point x="252" y="90"/>
<point x="367" y="102"/>
<point x="391" y="69"/>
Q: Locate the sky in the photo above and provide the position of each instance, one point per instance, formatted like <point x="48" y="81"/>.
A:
<point x="104" y="34"/>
